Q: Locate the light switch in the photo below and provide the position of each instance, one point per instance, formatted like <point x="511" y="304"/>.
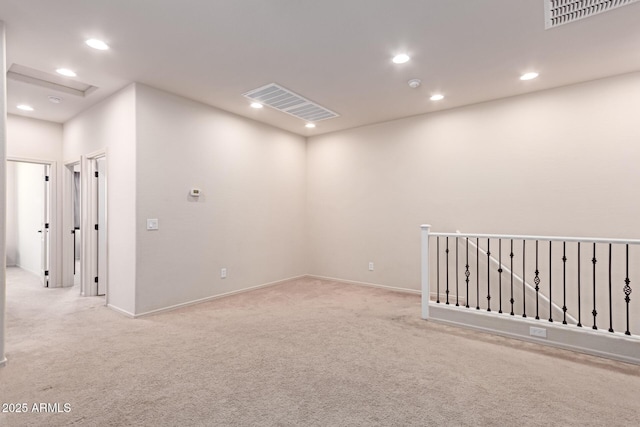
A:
<point x="152" y="224"/>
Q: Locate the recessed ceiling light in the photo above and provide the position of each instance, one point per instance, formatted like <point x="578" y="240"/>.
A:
<point x="55" y="99"/>
<point x="310" y="125"/>
<point x="66" y="72"/>
<point x="401" y="58"/>
<point x="97" y="44"/>
<point x="529" y="76"/>
<point x="256" y="105"/>
<point x="25" y="107"/>
<point x="436" y="97"/>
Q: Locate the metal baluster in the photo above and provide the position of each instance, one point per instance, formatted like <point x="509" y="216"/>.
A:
<point x="477" y="274"/>
<point x="447" y="251"/>
<point x="627" y="292"/>
<point x="524" y="280"/>
<point x="467" y="274"/>
<point x="500" y="275"/>
<point x="511" y="300"/>
<point x="564" y="283"/>
<point x="457" y="303"/>
<point x="488" y="275"/>
<point x="550" y="305"/>
<point x="610" y="303"/>
<point x="536" y="280"/>
<point x="579" y="310"/>
<point x="594" y="312"/>
<point x="438" y="269"/>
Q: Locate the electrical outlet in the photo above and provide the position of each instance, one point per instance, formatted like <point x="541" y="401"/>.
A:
<point x="152" y="224"/>
<point x="223" y="273"/>
<point x="538" y="332"/>
<point x="370" y="266"/>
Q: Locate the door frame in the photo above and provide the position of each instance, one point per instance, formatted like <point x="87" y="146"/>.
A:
<point x="55" y="274"/>
<point x="89" y="216"/>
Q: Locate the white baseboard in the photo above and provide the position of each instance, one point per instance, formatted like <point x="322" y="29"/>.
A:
<point x="214" y="297"/>
<point x="615" y="345"/>
<point x="121" y="311"/>
<point x="28" y="270"/>
<point x="371" y="285"/>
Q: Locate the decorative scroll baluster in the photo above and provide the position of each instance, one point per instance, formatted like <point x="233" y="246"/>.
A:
<point x="627" y="291"/>
<point x="550" y="299"/>
<point x="536" y="280"/>
<point x="447" y="251"/>
<point x="610" y="303"/>
<point x="500" y="275"/>
<point x="579" y="310"/>
<point x="457" y="304"/>
<point x="488" y="275"/>
<point x="438" y="270"/>
<point x="477" y="274"/>
<point x="524" y="280"/>
<point x="564" y="283"/>
<point x="511" y="300"/>
<point x="594" y="312"/>
<point x="467" y="274"/>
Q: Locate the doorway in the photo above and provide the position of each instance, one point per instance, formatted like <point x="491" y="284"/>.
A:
<point x="85" y="216"/>
<point x="29" y="224"/>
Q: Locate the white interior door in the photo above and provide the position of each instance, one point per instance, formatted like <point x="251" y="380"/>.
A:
<point x="44" y="229"/>
<point x="102" y="224"/>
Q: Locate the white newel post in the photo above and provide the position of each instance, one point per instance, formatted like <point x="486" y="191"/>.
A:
<point x="424" y="262"/>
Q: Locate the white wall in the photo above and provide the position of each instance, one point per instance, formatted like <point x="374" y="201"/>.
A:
<point x="557" y="162"/>
<point x="250" y="218"/>
<point x="111" y="125"/>
<point x="3" y="180"/>
<point x="34" y="139"/>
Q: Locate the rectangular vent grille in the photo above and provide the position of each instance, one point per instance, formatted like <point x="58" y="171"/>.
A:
<point x="560" y="12"/>
<point x="282" y="99"/>
<point x="50" y="81"/>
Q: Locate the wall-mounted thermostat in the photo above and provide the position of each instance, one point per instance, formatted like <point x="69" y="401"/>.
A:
<point x="195" y="192"/>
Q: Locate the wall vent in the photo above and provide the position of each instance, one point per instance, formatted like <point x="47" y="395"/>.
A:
<point x="49" y="81"/>
<point x="282" y="99"/>
<point x="560" y="12"/>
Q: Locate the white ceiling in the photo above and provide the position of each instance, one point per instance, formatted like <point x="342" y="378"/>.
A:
<point x="334" y="52"/>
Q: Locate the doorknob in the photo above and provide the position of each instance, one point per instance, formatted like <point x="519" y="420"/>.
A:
<point x="39" y="231"/>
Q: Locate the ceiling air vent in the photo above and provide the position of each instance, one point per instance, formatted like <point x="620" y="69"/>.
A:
<point x="560" y="12"/>
<point x="49" y="81"/>
<point x="275" y="96"/>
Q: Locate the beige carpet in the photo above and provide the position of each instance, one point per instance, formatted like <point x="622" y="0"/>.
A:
<point x="305" y="353"/>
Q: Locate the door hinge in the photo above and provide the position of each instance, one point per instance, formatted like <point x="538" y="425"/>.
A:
<point x="96" y="174"/>
<point x="46" y="225"/>
<point x="46" y="272"/>
<point x="46" y="178"/>
<point x="96" y="279"/>
<point x="96" y="227"/>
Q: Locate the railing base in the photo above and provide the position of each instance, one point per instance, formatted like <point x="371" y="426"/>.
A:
<point x="616" y="346"/>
